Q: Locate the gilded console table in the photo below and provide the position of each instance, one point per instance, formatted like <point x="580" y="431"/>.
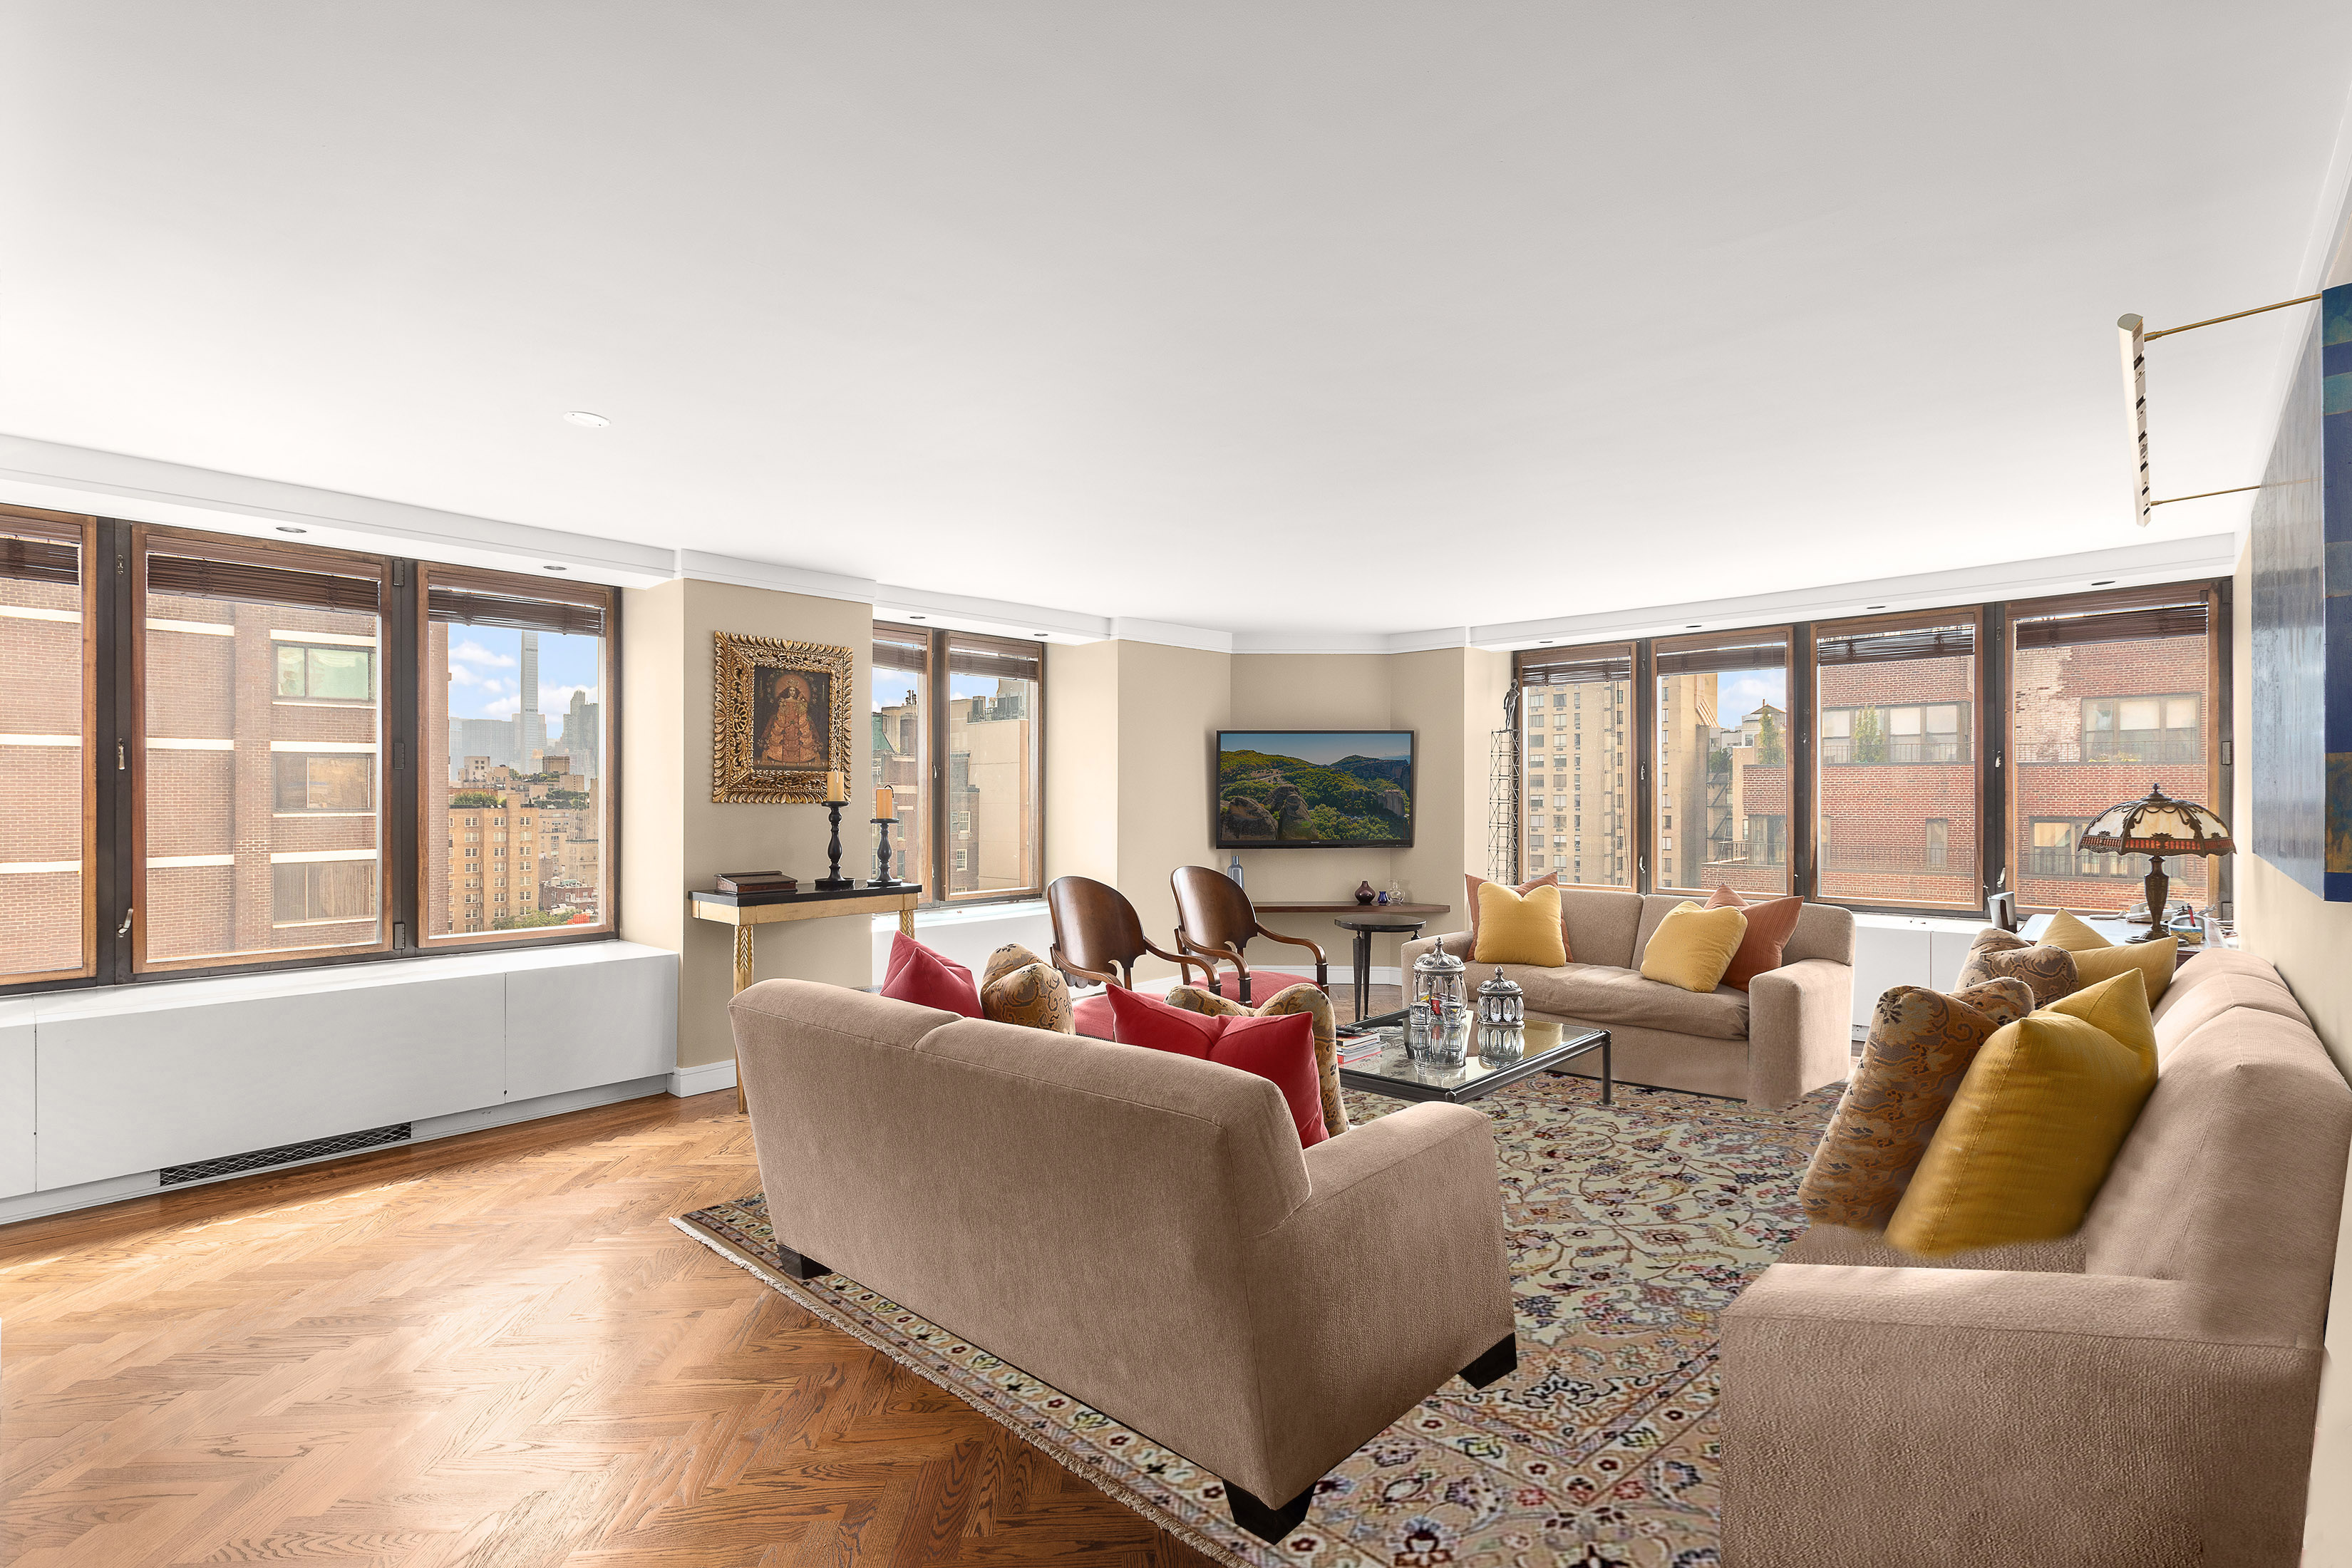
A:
<point x="809" y="904"/>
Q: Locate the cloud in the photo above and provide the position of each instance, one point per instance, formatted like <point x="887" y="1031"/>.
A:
<point x="473" y="652"/>
<point x="461" y="676"/>
<point x="558" y="699"/>
<point x="504" y="708"/>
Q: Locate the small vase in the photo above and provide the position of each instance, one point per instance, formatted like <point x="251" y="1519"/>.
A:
<point x="1364" y="894"/>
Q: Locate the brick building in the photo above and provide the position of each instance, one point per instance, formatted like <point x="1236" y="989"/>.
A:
<point x="41" y="761"/>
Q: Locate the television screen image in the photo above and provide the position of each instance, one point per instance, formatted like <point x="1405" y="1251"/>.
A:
<point x="1314" y="789"/>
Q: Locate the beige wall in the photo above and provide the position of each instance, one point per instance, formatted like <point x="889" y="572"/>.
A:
<point x="1134" y="722"/>
<point x="675" y="837"/>
<point x="2310" y="940"/>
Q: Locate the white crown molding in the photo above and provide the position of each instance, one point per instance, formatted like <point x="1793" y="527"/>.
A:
<point x="1432" y="641"/>
<point x="143" y="489"/>
<point x="1311" y="642"/>
<point x="1168" y="634"/>
<point x="2130" y="566"/>
<point x="773" y="575"/>
<point x="998" y="617"/>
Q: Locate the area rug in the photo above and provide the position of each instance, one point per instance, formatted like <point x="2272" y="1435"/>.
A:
<point x="1630" y="1226"/>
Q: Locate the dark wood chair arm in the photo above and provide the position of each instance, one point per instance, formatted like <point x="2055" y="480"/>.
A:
<point x="1314" y="948"/>
<point x="1185" y="964"/>
<point x="1072" y="972"/>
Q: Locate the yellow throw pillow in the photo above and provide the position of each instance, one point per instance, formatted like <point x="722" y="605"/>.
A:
<point x="2097" y="958"/>
<point x="2037" y="1121"/>
<point x="1514" y="929"/>
<point x="1692" y="947"/>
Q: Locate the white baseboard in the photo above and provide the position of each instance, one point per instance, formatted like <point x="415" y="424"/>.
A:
<point x="144" y="1183"/>
<point x="705" y="1077"/>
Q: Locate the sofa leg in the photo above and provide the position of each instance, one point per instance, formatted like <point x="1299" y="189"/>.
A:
<point x="798" y="1267"/>
<point x="1270" y="1524"/>
<point x="1496" y="1364"/>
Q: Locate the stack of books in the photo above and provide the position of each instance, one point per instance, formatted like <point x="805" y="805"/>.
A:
<point x="1354" y="1049"/>
<point x="758" y="886"/>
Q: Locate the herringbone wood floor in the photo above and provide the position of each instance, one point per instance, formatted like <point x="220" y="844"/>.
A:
<point x="492" y="1351"/>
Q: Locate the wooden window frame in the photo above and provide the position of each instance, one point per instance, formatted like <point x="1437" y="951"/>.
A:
<point x="1521" y="752"/>
<point x="514" y="585"/>
<point x="935" y="872"/>
<point x="82" y="531"/>
<point x="1702" y="642"/>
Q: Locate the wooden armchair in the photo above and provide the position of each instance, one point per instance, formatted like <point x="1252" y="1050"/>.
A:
<point x="1215" y="920"/>
<point x="1098" y="936"/>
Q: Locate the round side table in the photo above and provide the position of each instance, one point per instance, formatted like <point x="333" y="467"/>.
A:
<point x="1364" y="926"/>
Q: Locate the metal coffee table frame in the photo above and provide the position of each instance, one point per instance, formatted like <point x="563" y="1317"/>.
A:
<point x="1572" y="1044"/>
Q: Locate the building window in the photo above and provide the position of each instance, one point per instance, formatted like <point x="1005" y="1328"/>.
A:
<point x="515" y="672"/>
<point x="2110" y="694"/>
<point x="322" y="892"/>
<point x="959" y="734"/>
<point x="1898" y="704"/>
<point x="340" y="782"/>
<point x="317" y="674"/>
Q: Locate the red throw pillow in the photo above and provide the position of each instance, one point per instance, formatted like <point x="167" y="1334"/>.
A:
<point x="1548" y="880"/>
<point x="918" y="975"/>
<point x="1280" y="1050"/>
<point x="1771" y="924"/>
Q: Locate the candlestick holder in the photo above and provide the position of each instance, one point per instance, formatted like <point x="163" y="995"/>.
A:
<point x="835" y="881"/>
<point x="882" y="878"/>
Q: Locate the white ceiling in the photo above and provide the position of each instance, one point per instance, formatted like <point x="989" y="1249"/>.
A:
<point x="1297" y="317"/>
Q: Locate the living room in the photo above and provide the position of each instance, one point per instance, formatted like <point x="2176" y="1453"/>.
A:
<point x="1435" y="786"/>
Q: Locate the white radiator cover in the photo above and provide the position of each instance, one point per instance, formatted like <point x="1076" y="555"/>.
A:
<point x="110" y="1082"/>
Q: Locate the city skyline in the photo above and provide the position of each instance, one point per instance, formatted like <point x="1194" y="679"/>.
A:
<point x="486" y="668"/>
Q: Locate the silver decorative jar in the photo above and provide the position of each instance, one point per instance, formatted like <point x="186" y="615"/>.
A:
<point x="1501" y="1001"/>
<point x="1439" y="1017"/>
<point x="1500" y="1045"/>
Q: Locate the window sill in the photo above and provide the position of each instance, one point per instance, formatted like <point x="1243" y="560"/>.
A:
<point x="967" y="914"/>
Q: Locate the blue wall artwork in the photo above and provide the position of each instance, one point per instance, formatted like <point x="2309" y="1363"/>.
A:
<point x="2302" y="619"/>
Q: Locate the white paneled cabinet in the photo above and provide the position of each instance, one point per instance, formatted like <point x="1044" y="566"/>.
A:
<point x="1893" y="949"/>
<point x="107" y="1082"/>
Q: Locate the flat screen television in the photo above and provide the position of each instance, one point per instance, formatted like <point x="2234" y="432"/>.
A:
<point x="1314" y="789"/>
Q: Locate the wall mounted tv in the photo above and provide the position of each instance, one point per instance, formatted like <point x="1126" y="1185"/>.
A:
<point x="1314" y="789"/>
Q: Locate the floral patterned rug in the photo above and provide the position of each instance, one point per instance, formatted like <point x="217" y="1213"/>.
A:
<point x="1630" y="1226"/>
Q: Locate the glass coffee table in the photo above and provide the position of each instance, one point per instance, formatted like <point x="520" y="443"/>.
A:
<point x="1545" y="1047"/>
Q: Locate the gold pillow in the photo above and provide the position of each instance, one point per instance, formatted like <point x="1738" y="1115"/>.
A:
<point x="2036" y="1123"/>
<point x="1035" y="994"/>
<point x="2097" y="958"/>
<point x="1303" y="999"/>
<point x="1514" y="929"/>
<point x="1692" y="947"/>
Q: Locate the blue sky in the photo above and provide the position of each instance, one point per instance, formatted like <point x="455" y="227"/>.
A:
<point x="484" y="664"/>
<point x="1383" y="743"/>
<point x="1738" y="693"/>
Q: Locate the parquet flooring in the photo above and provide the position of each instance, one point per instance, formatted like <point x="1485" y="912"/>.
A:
<point x="492" y="1352"/>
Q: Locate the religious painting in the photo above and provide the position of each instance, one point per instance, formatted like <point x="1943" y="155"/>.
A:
<point x="780" y="722"/>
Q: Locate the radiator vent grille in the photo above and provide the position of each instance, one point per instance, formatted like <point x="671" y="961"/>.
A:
<point x="286" y="1154"/>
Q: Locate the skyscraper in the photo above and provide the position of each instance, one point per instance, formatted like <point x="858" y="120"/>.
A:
<point x="531" y="724"/>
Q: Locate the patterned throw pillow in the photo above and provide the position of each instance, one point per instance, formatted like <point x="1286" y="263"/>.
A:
<point x="1019" y="987"/>
<point x="1921" y="1043"/>
<point x="2048" y="972"/>
<point x="1290" y="999"/>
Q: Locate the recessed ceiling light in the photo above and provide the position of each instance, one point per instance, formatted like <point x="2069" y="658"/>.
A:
<point x="1874" y="606"/>
<point x="284" y="528"/>
<point x="1546" y="643"/>
<point x="585" y="420"/>
<point x="919" y="617"/>
<point x="551" y="567"/>
<point x="2105" y="582"/>
<point x="1692" y="627"/>
<point x="1036" y="634"/>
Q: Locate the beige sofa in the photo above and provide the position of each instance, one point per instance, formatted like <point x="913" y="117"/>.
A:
<point x="1790" y="1032"/>
<point x="2142" y="1392"/>
<point x="1137" y="1228"/>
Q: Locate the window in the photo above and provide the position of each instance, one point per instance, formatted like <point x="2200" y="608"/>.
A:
<point x="967" y="768"/>
<point x="223" y="764"/>
<point x="2111" y="692"/>
<point x="322" y="892"/>
<point x="1605" y="677"/>
<point x="47" y="840"/>
<point x="1710" y="693"/>
<point x="1898" y="704"/>
<point x="514" y="674"/>
<point x="313" y="674"/>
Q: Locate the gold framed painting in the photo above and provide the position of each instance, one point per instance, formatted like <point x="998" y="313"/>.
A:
<point x="780" y="719"/>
